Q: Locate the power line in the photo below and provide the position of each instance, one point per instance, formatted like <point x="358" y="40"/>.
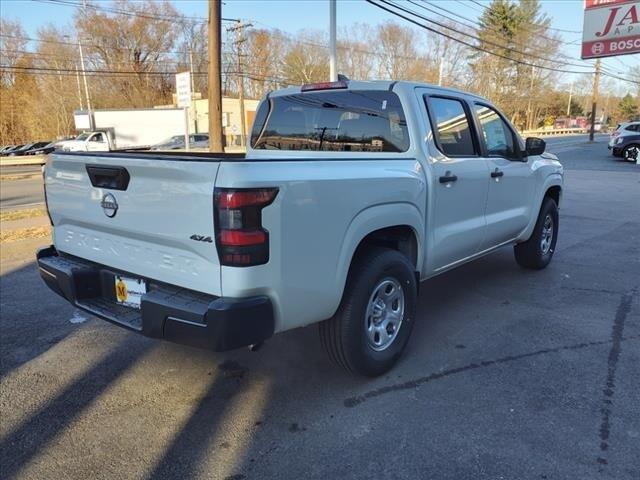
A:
<point x="169" y="18"/>
<point x="468" y="44"/>
<point x="484" y="7"/>
<point x="89" y="45"/>
<point x="482" y="41"/>
<point x="476" y="25"/>
<point x="475" y="47"/>
<point x="123" y="73"/>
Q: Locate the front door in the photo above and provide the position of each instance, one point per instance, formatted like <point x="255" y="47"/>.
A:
<point x="511" y="185"/>
<point x="460" y="183"/>
<point x="98" y="143"/>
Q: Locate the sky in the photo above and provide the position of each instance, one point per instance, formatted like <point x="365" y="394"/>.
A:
<point x="293" y="15"/>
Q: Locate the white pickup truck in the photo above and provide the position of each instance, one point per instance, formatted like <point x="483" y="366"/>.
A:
<point x="88" y="142"/>
<point x="350" y="194"/>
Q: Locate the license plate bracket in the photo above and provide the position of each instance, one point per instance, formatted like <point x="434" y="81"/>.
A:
<point x="129" y="290"/>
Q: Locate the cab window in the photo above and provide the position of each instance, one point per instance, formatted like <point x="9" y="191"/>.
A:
<point x="97" y="138"/>
<point x="497" y="135"/>
<point x="332" y="121"/>
<point x="452" y="127"/>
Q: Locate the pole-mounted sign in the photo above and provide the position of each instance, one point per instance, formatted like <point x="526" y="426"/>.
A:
<point x="611" y="27"/>
<point x="183" y="97"/>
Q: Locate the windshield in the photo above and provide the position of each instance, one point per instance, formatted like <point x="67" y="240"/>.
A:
<point x="342" y="121"/>
<point x="82" y="136"/>
<point x="173" y="139"/>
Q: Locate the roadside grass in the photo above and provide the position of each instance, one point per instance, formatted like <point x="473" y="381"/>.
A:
<point x="24" y="233"/>
<point x="22" y="213"/>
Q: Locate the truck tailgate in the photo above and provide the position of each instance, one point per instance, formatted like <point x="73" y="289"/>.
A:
<point x="159" y="224"/>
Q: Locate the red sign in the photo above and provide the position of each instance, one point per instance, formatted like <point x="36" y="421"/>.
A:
<point x="611" y="27"/>
<point x="601" y="3"/>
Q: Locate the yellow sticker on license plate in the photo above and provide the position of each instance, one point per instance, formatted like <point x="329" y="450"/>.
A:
<point x="129" y="291"/>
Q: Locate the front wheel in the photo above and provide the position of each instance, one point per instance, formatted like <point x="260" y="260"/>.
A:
<point x="631" y="153"/>
<point x="536" y="253"/>
<point x="370" y="330"/>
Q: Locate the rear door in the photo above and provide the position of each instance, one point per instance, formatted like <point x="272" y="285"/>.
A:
<point x="460" y="182"/>
<point x="137" y="214"/>
<point x="511" y="178"/>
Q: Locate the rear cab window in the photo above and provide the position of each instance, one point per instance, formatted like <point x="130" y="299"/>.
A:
<point x="337" y="121"/>
<point x="452" y="121"/>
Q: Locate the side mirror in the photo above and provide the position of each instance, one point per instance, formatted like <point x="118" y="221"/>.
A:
<point x="535" y="146"/>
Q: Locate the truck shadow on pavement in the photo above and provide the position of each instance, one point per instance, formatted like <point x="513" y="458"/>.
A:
<point x="33" y="319"/>
<point x="298" y="378"/>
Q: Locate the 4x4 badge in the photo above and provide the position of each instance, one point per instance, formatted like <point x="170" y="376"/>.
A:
<point x="201" y="238"/>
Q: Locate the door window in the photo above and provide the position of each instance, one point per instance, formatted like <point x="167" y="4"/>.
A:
<point x="498" y="137"/>
<point x="97" y="138"/>
<point x="452" y="133"/>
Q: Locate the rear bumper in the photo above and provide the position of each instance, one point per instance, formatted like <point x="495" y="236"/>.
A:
<point x="168" y="312"/>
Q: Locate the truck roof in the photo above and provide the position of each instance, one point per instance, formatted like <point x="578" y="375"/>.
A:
<point x="384" y="85"/>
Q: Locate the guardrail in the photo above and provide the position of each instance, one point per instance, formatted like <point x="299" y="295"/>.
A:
<point x="556" y="132"/>
<point x="23" y="160"/>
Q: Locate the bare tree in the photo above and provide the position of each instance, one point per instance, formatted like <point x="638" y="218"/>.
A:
<point x="141" y="46"/>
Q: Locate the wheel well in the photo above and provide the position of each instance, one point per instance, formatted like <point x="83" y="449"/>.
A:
<point x="400" y="237"/>
<point x="554" y="193"/>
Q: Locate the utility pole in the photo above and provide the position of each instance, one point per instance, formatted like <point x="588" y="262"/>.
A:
<point x="84" y="74"/>
<point x="86" y="87"/>
<point x="215" y="90"/>
<point x="333" y="56"/>
<point x="529" y="112"/>
<point x="594" y="100"/>
<point x="238" y="29"/>
<point x="79" y="89"/>
<point x="569" y="104"/>
<point x="193" y="89"/>
<point x="440" y="70"/>
<point x="195" y="110"/>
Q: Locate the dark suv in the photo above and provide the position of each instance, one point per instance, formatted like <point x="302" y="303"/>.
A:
<point x="627" y="147"/>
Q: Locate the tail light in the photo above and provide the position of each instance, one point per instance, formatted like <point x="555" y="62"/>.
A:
<point x="240" y="238"/>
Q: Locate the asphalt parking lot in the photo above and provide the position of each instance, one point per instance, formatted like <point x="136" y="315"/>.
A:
<point x="510" y="374"/>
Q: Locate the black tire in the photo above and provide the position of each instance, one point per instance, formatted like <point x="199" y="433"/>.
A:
<point x="631" y="152"/>
<point x="345" y="336"/>
<point x="532" y="254"/>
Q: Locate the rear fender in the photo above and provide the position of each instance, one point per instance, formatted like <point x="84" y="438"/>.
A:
<point x="369" y="220"/>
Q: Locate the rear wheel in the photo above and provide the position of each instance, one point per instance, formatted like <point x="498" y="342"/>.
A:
<point x="631" y="153"/>
<point x="536" y="253"/>
<point x="370" y="330"/>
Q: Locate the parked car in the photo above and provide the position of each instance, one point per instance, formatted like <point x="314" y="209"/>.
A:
<point x="623" y="129"/>
<point x="627" y="147"/>
<point x="196" y="140"/>
<point x="26" y="148"/>
<point x="7" y="152"/>
<point x="349" y="195"/>
<point x="6" y="148"/>
<point x="42" y="148"/>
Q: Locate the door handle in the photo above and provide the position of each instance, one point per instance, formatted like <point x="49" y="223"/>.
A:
<point x="448" y="177"/>
<point x="497" y="173"/>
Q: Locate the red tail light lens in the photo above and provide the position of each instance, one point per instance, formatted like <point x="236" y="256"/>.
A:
<point x="240" y="238"/>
